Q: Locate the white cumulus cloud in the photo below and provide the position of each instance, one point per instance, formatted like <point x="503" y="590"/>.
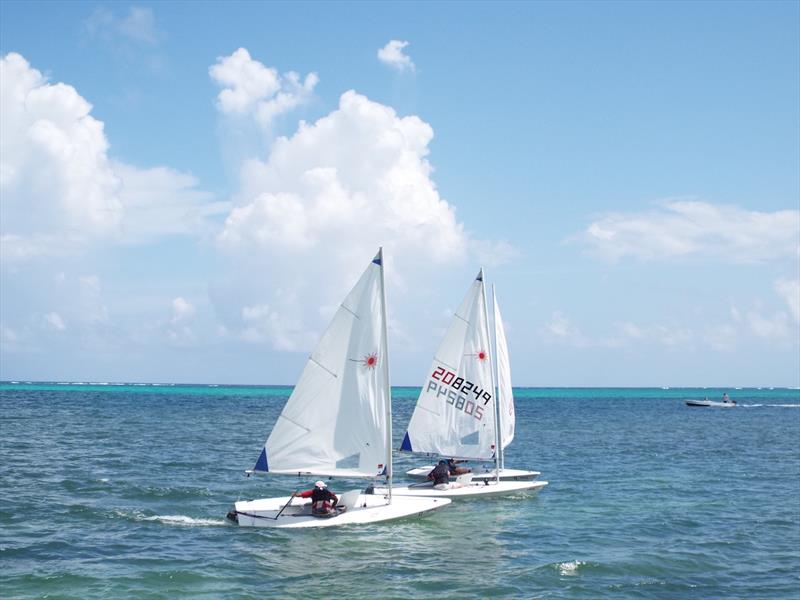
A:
<point x="308" y="219"/>
<point x="250" y="88"/>
<point x="684" y="228"/>
<point x="54" y="170"/>
<point x="392" y="54"/>
<point x="355" y="178"/>
<point x="60" y="191"/>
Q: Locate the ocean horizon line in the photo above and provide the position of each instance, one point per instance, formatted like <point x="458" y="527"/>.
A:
<point x="184" y="384"/>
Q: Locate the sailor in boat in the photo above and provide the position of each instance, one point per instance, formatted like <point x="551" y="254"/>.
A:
<point x="440" y="475"/>
<point x="727" y="400"/>
<point x="323" y="501"/>
<point x="455" y="470"/>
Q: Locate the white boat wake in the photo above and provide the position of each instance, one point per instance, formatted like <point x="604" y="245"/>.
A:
<point x="770" y="405"/>
<point x="183" y="520"/>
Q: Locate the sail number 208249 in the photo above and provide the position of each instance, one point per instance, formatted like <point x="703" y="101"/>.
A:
<point x="445" y="383"/>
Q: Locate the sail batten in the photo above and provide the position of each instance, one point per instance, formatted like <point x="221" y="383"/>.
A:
<point x="323" y="367"/>
<point x="446" y="364"/>
<point x="293" y="422"/>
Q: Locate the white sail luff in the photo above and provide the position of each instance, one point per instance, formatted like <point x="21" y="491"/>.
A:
<point x="500" y="454"/>
<point x="505" y="394"/>
<point x="494" y="387"/>
<point x="387" y="386"/>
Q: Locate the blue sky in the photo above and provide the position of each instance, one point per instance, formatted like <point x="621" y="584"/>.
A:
<point x="188" y="189"/>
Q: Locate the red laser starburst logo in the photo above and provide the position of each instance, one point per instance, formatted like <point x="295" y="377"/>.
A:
<point x="482" y="355"/>
<point x="370" y="361"/>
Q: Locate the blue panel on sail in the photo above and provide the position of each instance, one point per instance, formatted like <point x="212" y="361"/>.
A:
<point x="261" y="463"/>
<point x="480" y="276"/>
<point x="471" y="439"/>
<point x="406" y="445"/>
<point x="377" y="260"/>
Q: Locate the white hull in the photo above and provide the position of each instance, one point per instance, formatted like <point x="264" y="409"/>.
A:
<point x="365" y="508"/>
<point x="470" y="490"/>
<point x="710" y="403"/>
<point x="480" y="474"/>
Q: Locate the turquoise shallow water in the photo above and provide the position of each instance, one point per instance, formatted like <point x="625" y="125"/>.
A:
<point x="120" y="491"/>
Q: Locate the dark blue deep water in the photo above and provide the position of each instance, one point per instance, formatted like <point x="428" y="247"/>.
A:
<point x="120" y="492"/>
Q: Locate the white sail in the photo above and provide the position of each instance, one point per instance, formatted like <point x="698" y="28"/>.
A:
<point x="335" y="422"/>
<point x="454" y="415"/>
<point x="505" y="396"/>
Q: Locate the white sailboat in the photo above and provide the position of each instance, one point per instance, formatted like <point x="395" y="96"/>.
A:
<point x="338" y="421"/>
<point x="506" y="415"/>
<point x="458" y="414"/>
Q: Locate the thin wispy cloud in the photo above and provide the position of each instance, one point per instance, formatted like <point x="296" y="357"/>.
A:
<point x="774" y="324"/>
<point x="179" y="330"/>
<point x="138" y="26"/>
<point x="789" y="291"/>
<point x="561" y="330"/>
<point x="691" y="228"/>
<point x="182" y="311"/>
<point x="724" y="335"/>
<point x="55" y="321"/>
<point x="392" y="55"/>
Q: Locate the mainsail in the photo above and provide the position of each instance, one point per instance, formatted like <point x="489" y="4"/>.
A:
<point x="505" y="395"/>
<point x="337" y="419"/>
<point x="455" y="412"/>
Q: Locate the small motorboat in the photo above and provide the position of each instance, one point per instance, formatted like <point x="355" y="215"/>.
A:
<point x="726" y="403"/>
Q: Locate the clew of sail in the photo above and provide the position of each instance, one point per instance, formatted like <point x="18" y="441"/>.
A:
<point x="505" y="396"/>
<point x="454" y="415"/>
<point x="335" y="420"/>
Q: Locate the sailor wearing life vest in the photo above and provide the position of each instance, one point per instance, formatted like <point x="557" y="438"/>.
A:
<point x="322" y="499"/>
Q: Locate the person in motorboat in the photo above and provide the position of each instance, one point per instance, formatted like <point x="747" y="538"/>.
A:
<point x="323" y="501"/>
<point x="455" y="470"/>
<point x="440" y="475"/>
<point x="727" y="400"/>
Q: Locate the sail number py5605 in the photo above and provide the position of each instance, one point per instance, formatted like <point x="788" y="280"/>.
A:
<point x="459" y="392"/>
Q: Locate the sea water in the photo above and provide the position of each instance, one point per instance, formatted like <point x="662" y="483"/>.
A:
<point x="120" y="491"/>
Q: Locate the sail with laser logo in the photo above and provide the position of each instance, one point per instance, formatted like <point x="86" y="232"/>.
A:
<point x="334" y="423"/>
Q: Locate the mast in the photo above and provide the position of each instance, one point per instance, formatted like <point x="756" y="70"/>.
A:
<point x="496" y="373"/>
<point x="388" y="391"/>
<point x="494" y="402"/>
